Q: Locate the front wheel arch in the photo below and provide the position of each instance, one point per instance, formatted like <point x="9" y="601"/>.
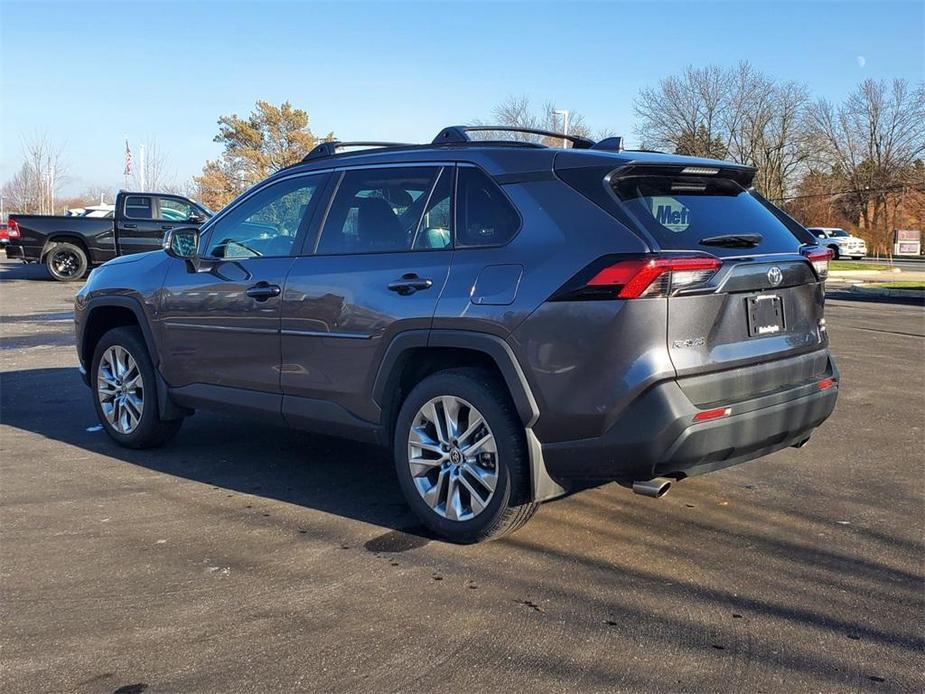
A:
<point x="104" y="313"/>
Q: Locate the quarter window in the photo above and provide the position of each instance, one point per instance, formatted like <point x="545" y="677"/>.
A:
<point x="267" y="223"/>
<point x="138" y="207"/>
<point x="378" y="210"/>
<point x="486" y="218"/>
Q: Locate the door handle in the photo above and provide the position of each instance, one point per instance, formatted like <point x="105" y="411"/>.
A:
<point x="263" y="291"/>
<point x="166" y="227"/>
<point x="129" y="226"/>
<point x="409" y="284"/>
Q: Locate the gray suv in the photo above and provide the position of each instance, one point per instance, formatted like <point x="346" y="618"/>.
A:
<point x="514" y="321"/>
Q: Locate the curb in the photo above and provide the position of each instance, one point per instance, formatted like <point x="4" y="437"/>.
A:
<point x="883" y="291"/>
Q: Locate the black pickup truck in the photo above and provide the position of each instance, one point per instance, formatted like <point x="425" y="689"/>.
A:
<point x="69" y="246"/>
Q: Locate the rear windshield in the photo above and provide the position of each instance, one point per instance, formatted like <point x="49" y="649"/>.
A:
<point x="680" y="211"/>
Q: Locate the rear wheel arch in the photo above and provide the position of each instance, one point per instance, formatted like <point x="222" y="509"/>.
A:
<point x="413" y="356"/>
<point x="78" y="241"/>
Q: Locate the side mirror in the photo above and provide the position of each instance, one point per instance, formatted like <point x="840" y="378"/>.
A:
<point x="821" y="236"/>
<point x="182" y="242"/>
<point x="195" y="218"/>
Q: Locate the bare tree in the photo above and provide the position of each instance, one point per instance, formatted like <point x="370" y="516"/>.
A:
<point x="736" y="113"/>
<point x="151" y="171"/>
<point x="766" y="129"/>
<point x="34" y="188"/>
<point x="518" y="112"/>
<point x="872" y="141"/>
<point x="688" y="113"/>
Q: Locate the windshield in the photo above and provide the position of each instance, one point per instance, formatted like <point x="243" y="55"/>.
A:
<point x="839" y="233"/>
<point x="680" y="211"/>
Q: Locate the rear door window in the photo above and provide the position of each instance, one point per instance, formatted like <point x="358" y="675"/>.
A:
<point x="381" y="210"/>
<point x="139" y="207"/>
<point x="680" y="211"/>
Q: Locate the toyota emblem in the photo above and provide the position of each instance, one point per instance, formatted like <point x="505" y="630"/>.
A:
<point x="775" y="276"/>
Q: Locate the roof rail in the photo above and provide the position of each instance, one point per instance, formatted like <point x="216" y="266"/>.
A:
<point x="458" y="134"/>
<point x="329" y="149"/>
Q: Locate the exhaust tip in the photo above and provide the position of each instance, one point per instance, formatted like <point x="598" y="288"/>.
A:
<point x="656" y="488"/>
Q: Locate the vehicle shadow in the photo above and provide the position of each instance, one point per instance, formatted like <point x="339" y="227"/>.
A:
<point x="337" y="476"/>
<point x="24" y="271"/>
<point x="690" y="577"/>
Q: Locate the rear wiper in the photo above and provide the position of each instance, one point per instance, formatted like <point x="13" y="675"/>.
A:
<point x="732" y="240"/>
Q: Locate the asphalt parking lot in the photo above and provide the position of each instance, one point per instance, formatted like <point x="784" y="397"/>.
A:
<point x="247" y="558"/>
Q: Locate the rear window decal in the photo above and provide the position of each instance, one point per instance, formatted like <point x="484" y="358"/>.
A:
<point x="670" y="213"/>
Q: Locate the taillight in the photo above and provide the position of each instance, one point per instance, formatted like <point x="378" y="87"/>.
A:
<point x="636" y="278"/>
<point x="820" y="258"/>
<point x="12" y="228"/>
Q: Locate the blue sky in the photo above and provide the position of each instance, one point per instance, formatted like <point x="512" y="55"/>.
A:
<point x="89" y="74"/>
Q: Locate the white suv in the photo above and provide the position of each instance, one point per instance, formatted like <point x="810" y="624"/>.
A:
<point x="843" y="244"/>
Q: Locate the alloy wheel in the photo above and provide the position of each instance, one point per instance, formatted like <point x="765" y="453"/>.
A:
<point x="120" y="389"/>
<point x="453" y="458"/>
<point x="66" y="263"/>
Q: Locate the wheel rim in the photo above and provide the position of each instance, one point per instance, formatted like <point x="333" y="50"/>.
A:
<point x="65" y="263"/>
<point x="453" y="458"/>
<point x="120" y="389"/>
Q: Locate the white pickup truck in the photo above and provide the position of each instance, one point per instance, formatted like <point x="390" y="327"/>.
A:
<point x="843" y="244"/>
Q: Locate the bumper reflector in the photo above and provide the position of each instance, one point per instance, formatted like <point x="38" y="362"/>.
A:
<point x="707" y="415"/>
<point x="826" y="383"/>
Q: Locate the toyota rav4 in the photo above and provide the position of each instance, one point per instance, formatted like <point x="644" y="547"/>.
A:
<point x="513" y="321"/>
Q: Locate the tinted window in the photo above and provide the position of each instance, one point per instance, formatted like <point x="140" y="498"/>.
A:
<point x="138" y="207"/>
<point x="266" y="224"/>
<point x="174" y="210"/>
<point x="680" y="211"/>
<point x="486" y="218"/>
<point x="377" y="210"/>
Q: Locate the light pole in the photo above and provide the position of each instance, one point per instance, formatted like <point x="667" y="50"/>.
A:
<point x="564" y="114"/>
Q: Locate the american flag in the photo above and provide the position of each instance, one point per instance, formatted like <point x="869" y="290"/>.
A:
<point x="128" y="161"/>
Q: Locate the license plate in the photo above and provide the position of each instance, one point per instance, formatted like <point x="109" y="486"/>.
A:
<point x="765" y="315"/>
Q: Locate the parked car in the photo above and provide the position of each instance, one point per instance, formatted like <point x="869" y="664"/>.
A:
<point x="4" y="234"/>
<point x="843" y="244"/>
<point x="513" y="321"/>
<point x="70" y="245"/>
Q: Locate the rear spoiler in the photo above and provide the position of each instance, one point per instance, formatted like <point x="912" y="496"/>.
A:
<point x="741" y="174"/>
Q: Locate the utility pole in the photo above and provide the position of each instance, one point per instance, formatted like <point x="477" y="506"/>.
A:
<point x="564" y="114"/>
<point x="141" y="167"/>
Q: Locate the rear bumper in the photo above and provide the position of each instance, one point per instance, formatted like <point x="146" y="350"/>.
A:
<point x="18" y="252"/>
<point x="657" y="436"/>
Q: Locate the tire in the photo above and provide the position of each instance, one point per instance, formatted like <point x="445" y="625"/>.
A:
<point x="66" y="262"/>
<point x="508" y="506"/>
<point x="835" y="254"/>
<point x="148" y="430"/>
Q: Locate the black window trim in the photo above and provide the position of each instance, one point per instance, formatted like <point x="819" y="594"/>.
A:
<point x="207" y="229"/>
<point x="125" y="213"/>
